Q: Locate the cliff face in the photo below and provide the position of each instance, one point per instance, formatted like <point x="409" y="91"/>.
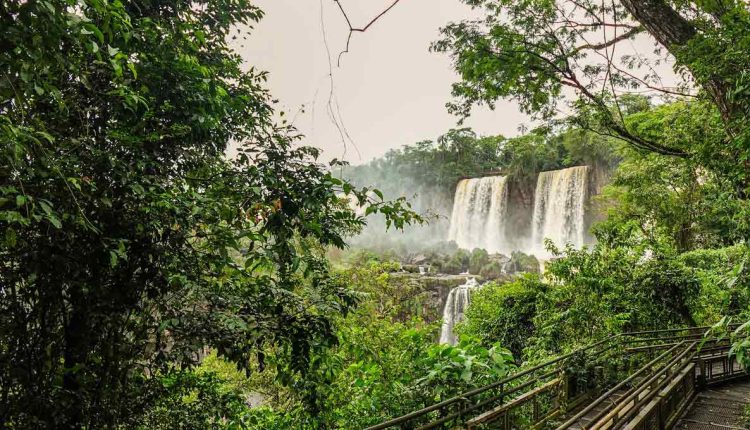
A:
<point x="599" y="176"/>
<point x="520" y="209"/>
<point x="429" y="298"/>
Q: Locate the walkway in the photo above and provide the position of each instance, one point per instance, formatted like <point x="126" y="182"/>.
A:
<point x="651" y="380"/>
<point x="720" y="408"/>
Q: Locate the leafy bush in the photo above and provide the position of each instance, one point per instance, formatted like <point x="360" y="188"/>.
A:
<point x="504" y="313"/>
<point x="477" y="260"/>
<point x="611" y="289"/>
<point x="520" y="262"/>
<point x="381" y="367"/>
<point x="194" y="401"/>
<point x="492" y="270"/>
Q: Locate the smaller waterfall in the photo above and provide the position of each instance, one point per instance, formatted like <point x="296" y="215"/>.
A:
<point x="479" y="214"/>
<point x="455" y="307"/>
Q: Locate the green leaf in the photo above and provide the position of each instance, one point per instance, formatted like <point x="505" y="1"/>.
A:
<point x="132" y="69"/>
<point x="55" y="221"/>
<point x="91" y="28"/>
<point x="741" y="328"/>
<point x="112" y="259"/>
<point x="45" y="207"/>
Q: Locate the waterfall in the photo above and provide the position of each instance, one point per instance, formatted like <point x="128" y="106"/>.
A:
<point x="559" y="208"/>
<point x="479" y="213"/>
<point x="455" y="307"/>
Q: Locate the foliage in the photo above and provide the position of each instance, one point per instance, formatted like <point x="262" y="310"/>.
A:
<point x="520" y="262"/>
<point x="724" y="289"/>
<point x="477" y="260"/>
<point x="504" y="313"/>
<point x="382" y="367"/>
<point x="130" y="242"/>
<point x="531" y="51"/>
<point x="435" y="167"/>
<point x="457" y="153"/>
<point x="691" y="204"/>
<point x="131" y="245"/>
<point x="494" y="269"/>
<point x="458" y="262"/>
<point x="611" y="288"/>
<point x="524" y="156"/>
<point x="192" y="401"/>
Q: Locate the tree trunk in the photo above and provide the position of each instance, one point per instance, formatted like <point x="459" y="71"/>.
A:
<point x="673" y="31"/>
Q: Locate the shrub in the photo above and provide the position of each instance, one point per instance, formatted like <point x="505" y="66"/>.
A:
<point x="504" y="313"/>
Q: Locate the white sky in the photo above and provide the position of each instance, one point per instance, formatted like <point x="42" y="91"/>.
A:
<point x="390" y="89"/>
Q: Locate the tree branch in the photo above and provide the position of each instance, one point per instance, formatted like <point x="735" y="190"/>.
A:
<point x="353" y="29"/>
<point x="607" y="43"/>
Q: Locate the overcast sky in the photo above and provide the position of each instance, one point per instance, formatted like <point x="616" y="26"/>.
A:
<point x="389" y="88"/>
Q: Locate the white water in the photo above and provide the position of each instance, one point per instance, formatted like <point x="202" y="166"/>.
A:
<point x="479" y="212"/>
<point x="559" y="203"/>
<point x="454" y="310"/>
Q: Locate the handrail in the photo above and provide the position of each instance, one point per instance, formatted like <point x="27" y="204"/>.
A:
<point x="517" y="401"/>
<point x="666" y="330"/>
<point x="464" y="396"/>
<point x="458" y="406"/>
<point x="635" y="395"/>
<point x="670" y="330"/>
<point x="614" y="389"/>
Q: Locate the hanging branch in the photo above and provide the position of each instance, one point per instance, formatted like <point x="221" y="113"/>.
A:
<point x="353" y="29"/>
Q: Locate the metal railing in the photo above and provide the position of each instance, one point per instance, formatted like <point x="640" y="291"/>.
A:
<point x="524" y="388"/>
<point x="631" y="404"/>
<point x="660" y="377"/>
<point x="658" y="401"/>
<point x="645" y="373"/>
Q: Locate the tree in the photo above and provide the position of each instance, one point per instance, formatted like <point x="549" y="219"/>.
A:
<point x="130" y="242"/>
<point x="533" y="51"/>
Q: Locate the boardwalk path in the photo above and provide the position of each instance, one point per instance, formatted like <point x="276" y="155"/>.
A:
<point x="720" y="408"/>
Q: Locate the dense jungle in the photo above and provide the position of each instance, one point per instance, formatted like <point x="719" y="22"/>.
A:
<point x="173" y="255"/>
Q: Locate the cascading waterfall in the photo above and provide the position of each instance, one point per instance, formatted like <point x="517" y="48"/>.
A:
<point x="455" y="307"/>
<point x="559" y="203"/>
<point x="479" y="213"/>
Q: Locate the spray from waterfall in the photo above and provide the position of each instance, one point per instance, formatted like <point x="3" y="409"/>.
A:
<point x="454" y="310"/>
<point x="480" y="207"/>
<point x="559" y="204"/>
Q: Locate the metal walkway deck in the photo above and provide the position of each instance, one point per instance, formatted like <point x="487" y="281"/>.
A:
<point x="720" y="408"/>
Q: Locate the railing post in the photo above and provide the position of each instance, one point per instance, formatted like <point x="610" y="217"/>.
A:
<point x="702" y="377"/>
<point x="660" y="415"/>
<point x="462" y="407"/>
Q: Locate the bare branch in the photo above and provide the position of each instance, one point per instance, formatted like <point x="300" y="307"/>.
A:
<point x="353" y="29"/>
<point x="663" y="89"/>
